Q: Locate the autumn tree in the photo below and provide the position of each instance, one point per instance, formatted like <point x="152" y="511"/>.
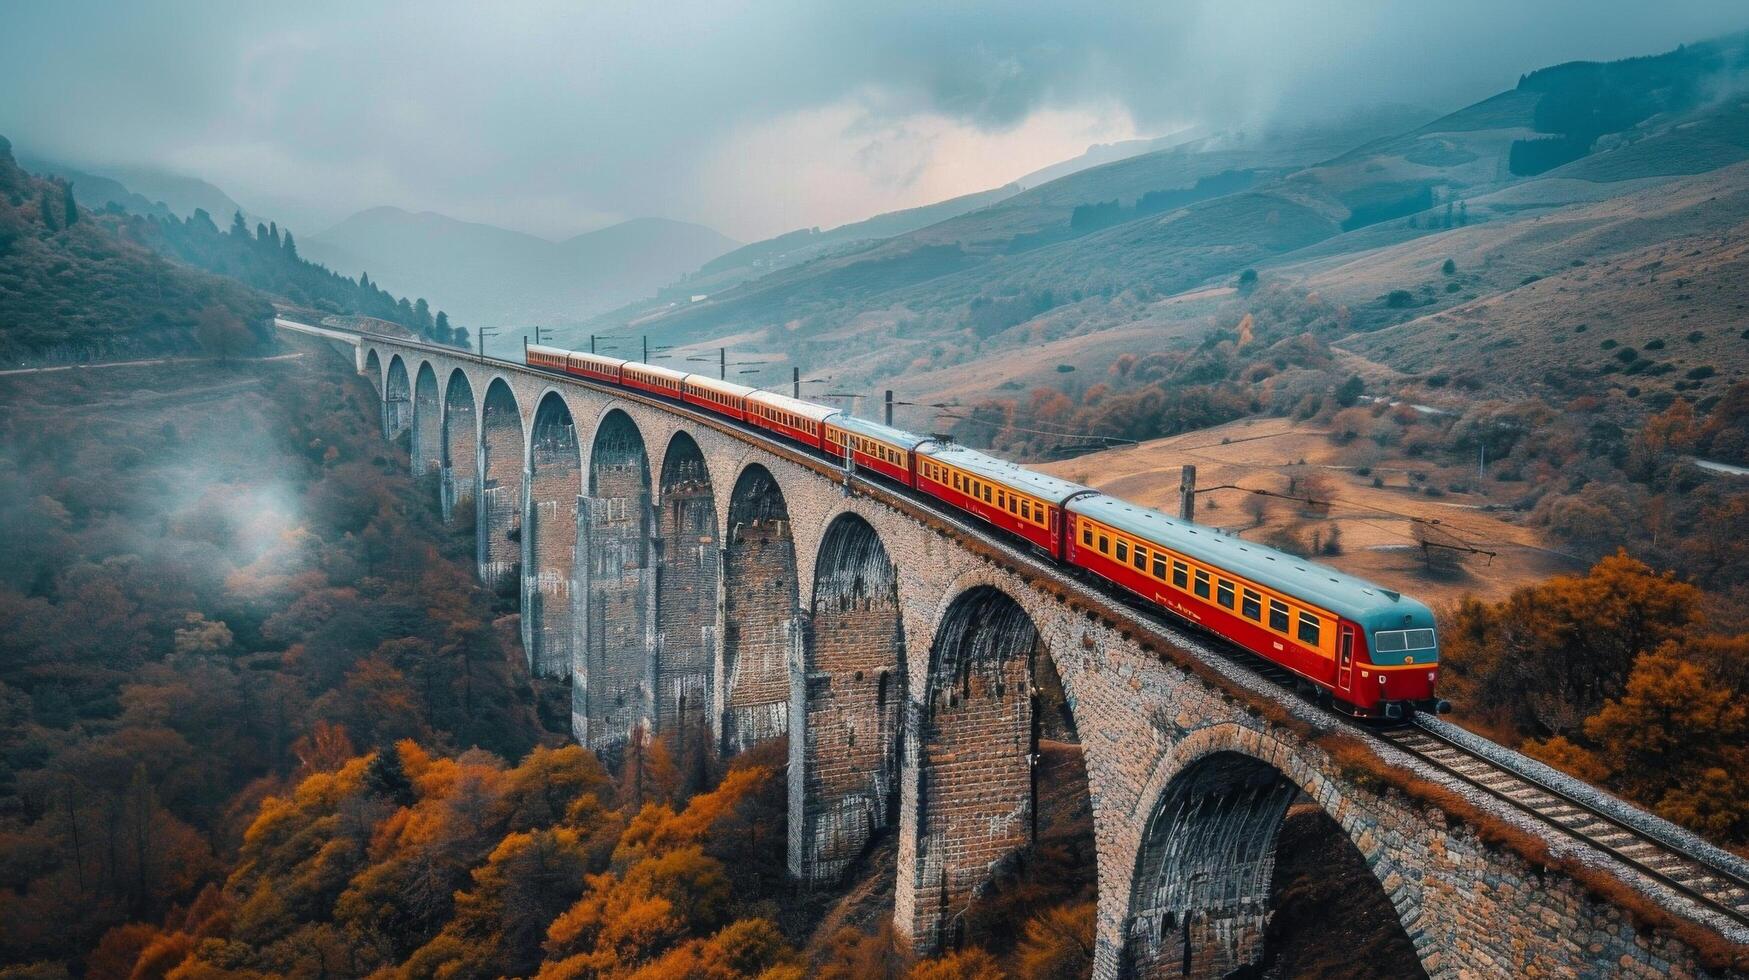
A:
<point x="1551" y="654"/>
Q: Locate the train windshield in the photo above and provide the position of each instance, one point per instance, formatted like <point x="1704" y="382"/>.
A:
<point x="1400" y="641"/>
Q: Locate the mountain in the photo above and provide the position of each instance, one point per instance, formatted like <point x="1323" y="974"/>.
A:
<point x="493" y="276"/>
<point x="74" y="287"/>
<point x="797" y="247"/>
<point x="1102" y="153"/>
<point x="138" y="190"/>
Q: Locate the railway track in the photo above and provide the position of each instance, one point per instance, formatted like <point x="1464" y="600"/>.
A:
<point x="1700" y="880"/>
<point x="1705" y="882"/>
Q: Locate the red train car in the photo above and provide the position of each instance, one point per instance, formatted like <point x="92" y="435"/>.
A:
<point x="653" y="379"/>
<point x="1372" y="649"/>
<point x="1017" y="500"/>
<point x="714" y="395"/>
<point x="872" y="446"/>
<point x="792" y="418"/>
<point x="596" y="367"/>
<point x="550" y="358"/>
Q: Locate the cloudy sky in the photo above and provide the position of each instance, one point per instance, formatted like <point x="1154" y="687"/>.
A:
<point x="754" y="118"/>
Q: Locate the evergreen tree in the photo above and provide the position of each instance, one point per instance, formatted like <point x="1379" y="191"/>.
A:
<point x="45" y="207"/>
<point x="238" y="227"/>
<point x="364" y="282"/>
<point x="260" y="232"/>
<point x="291" y="247"/>
<point x="441" y="331"/>
<point x="273" y="232"/>
<point x="386" y="777"/>
<point x="422" y="316"/>
<point x="68" y="202"/>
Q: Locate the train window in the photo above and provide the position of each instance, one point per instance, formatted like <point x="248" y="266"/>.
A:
<point x="1252" y="606"/>
<point x="1140" y="560"/>
<point x="1104" y="544"/>
<point x="1202" y="583"/>
<point x="1123" y="551"/>
<point x="1086" y="534"/>
<point x="1224" y="593"/>
<point x="1001" y="499"/>
<point x="1026" y="509"/>
<point x="1181" y="575"/>
<point x="986" y="493"/>
<point x="1308" y="629"/>
<point x="1160" y="568"/>
<point x="1278" y="616"/>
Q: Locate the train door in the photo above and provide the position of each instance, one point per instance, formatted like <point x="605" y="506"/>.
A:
<point x="1345" y="659"/>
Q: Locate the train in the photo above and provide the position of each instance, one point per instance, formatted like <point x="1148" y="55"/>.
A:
<point x="1369" y="651"/>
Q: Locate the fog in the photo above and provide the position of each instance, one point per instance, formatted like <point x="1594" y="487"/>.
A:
<point x="752" y="118"/>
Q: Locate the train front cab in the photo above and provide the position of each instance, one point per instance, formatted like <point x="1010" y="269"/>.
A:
<point x="1387" y="673"/>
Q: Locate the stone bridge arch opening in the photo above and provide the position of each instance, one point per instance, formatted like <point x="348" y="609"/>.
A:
<point x="373" y="368"/>
<point x="397" y="400"/>
<point x="610" y="686"/>
<point x="498" y="498"/>
<point x="848" y="712"/>
<point x="1231" y="843"/>
<point x="687" y="569"/>
<point x="555" y="482"/>
<point x="427" y="447"/>
<point x="1003" y="812"/>
<point x="459" y="446"/>
<point x="762" y="623"/>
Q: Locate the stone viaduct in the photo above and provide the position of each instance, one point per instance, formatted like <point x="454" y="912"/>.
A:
<point x="677" y="569"/>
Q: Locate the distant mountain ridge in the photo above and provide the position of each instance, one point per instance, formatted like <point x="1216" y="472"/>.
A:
<point x="138" y="190"/>
<point x="494" y="276"/>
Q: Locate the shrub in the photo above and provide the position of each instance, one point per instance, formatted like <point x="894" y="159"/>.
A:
<point x="1696" y="336"/>
<point x="1606" y="345"/>
<point x="1400" y="299"/>
<point x="1656" y="343"/>
<point x="1449" y="268"/>
<point x="1581" y="328"/>
<point x="1704" y="371"/>
<point x="1626" y="354"/>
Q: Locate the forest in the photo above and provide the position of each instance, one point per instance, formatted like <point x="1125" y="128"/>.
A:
<point x="78" y="285"/>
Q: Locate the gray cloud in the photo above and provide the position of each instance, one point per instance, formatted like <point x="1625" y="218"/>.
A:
<point x="551" y="117"/>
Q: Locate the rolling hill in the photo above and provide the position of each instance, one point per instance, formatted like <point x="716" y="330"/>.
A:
<point x="494" y="277"/>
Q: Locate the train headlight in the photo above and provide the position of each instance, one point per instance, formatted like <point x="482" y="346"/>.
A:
<point x="1430" y="676"/>
<point x="1381" y="680"/>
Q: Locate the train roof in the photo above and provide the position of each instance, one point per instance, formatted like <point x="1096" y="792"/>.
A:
<point x="549" y="351"/>
<point x="875" y="430"/>
<point x="719" y="385"/>
<point x="795" y="406"/>
<point x="1000" y="471"/>
<point x="583" y="355"/>
<point x="656" y="369"/>
<point x="1372" y="606"/>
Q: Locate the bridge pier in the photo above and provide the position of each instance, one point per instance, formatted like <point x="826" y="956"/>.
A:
<point x="460" y="447"/>
<point x="687" y="557"/>
<point x="426" y="450"/>
<point x="763" y="626"/>
<point x="499" y="502"/>
<point x="397" y="400"/>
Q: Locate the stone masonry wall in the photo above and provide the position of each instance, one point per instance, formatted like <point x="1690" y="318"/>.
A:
<point x="844" y="773"/>
<point x="761" y="624"/>
<point x="459" y="446"/>
<point x="499" y="494"/>
<point x="974" y="731"/>
<point x="427" y="447"/>
<point x="550" y="541"/>
<point x="686" y="590"/>
<point x="614" y="692"/>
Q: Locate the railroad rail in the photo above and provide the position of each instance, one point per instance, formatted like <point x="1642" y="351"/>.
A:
<point x="1698" y="877"/>
<point x="1711" y="879"/>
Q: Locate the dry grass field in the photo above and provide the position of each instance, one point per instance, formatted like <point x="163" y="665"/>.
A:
<point x="1376" y="524"/>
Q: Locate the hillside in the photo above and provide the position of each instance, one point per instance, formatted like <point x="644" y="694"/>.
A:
<point x="136" y="189"/>
<point x="73" y="289"/>
<point x="495" y="277"/>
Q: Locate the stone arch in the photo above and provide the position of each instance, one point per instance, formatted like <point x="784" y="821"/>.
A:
<point x="1199" y="902"/>
<point x="459" y="443"/>
<point x="972" y="758"/>
<point x="762" y="623"/>
<point x="688" y="565"/>
<point x="373" y="369"/>
<point x="397" y="399"/>
<point x="427" y="448"/>
<point x="498" y="501"/>
<point x="849" y="718"/>
<point x="555" y="482"/>
<point x="611" y="688"/>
